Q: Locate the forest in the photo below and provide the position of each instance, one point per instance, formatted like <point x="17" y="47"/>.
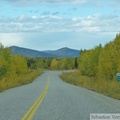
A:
<point x="14" y="70"/>
<point x="97" y="69"/>
<point x="101" y="62"/>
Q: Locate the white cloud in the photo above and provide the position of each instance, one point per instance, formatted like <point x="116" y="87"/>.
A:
<point x="91" y="23"/>
<point x="34" y="17"/>
<point x="8" y="39"/>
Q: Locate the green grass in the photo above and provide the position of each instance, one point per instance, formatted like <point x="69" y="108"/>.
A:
<point x="108" y="88"/>
<point x="14" y="80"/>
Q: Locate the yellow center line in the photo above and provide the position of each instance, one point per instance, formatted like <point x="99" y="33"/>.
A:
<point x="30" y="113"/>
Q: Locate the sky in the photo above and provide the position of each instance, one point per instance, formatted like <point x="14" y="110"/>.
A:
<point x="53" y="24"/>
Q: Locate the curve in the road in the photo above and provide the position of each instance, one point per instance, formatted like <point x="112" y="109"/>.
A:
<point x="62" y="101"/>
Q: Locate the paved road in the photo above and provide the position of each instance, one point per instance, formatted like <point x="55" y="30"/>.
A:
<point x="52" y="99"/>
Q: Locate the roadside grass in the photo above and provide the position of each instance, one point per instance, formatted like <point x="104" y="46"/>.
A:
<point x="108" y="88"/>
<point x="18" y="80"/>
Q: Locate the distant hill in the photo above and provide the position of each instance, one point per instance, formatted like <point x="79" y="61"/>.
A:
<point x="63" y="52"/>
<point x="29" y="52"/>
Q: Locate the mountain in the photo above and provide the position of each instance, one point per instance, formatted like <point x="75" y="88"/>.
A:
<point x="29" y="52"/>
<point x="63" y="52"/>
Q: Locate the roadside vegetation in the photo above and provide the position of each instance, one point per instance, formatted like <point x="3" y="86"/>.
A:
<point x="14" y="70"/>
<point x="108" y="88"/>
<point x="97" y="69"/>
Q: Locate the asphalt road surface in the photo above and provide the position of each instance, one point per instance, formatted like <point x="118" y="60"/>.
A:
<point x="49" y="98"/>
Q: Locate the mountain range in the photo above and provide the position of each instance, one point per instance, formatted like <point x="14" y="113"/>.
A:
<point x="63" y="52"/>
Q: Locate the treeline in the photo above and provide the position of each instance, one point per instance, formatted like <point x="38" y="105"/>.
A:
<point x="52" y="63"/>
<point x="14" y="70"/>
<point x="97" y="69"/>
<point x="35" y="63"/>
<point x="101" y="62"/>
<point x="64" y="63"/>
<point x="10" y="65"/>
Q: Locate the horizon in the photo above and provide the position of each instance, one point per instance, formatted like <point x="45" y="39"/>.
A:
<point x="41" y="25"/>
<point x="45" y="49"/>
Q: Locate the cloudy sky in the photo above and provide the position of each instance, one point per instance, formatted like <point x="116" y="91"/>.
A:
<point x="52" y="24"/>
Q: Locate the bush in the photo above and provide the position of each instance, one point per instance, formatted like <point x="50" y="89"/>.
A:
<point x="108" y="88"/>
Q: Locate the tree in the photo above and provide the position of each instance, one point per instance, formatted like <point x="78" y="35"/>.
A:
<point x="54" y="64"/>
<point x="20" y="64"/>
<point x="5" y="61"/>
